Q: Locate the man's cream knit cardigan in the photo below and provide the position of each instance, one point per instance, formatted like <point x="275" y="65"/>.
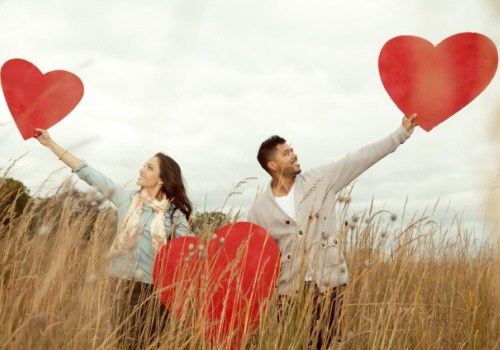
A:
<point x="310" y="244"/>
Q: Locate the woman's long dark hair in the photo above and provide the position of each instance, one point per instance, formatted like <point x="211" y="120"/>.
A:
<point x="173" y="185"/>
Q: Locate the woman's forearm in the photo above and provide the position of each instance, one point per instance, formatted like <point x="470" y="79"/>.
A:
<point x="66" y="157"/>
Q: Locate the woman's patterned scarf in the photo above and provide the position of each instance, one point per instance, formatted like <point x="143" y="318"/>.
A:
<point x="128" y="234"/>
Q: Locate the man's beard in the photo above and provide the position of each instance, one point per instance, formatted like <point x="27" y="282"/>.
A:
<point x="293" y="172"/>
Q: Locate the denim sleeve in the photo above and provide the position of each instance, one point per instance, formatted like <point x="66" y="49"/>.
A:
<point x="177" y="225"/>
<point x="117" y="194"/>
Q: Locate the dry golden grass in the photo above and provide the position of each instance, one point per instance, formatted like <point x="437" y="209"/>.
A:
<point x="417" y="286"/>
<point x="494" y="204"/>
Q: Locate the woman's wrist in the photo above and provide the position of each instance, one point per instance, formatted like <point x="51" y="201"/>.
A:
<point x="62" y="154"/>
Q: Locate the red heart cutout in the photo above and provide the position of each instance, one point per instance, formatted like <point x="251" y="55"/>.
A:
<point x="436" y="82"/>
<point x="226" y="285"/>
<point x="38" y="100"/>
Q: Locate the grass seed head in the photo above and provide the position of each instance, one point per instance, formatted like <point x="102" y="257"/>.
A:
<point x="91" y="279"/>
<point x="41" y="320"/>
<point x="44" y="230"/>
<point x="138" y="274"/>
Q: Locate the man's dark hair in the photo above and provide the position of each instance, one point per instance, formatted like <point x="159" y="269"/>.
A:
<point x="267" y="150"/>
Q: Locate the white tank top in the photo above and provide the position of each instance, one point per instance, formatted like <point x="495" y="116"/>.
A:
<point x="287" y="203"/>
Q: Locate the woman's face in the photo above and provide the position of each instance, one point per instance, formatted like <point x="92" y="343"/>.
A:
<point x="149" y="175"/>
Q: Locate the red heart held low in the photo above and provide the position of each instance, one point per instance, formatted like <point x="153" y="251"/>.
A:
<point x="38" y="100"/>
<point x="436" y="81"/>
<point x="220" y="286"/>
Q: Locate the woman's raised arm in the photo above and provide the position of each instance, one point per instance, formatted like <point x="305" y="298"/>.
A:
<point x="69" y="159"/>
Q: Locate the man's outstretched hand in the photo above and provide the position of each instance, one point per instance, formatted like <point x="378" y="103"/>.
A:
<point x="408" y="123"/>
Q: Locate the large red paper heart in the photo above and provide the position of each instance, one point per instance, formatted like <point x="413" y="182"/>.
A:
<point x="225" y="282"/>
<point x="38" y="100"/>
<point x="436" y="82"/>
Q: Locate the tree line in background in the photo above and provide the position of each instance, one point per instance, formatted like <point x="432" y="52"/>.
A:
<point x="15" y="199"/>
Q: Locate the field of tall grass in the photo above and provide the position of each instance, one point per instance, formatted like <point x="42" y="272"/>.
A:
<point x="415" y="284"/>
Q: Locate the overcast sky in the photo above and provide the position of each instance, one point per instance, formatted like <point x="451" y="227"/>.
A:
<point x="206" y="81"/>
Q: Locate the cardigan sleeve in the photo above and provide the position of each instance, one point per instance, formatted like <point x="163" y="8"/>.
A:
<point x="117" y="194"/>
<point x="260" y="208"/>
<point x="251" y="216"/>
<point x="343" y="171"/>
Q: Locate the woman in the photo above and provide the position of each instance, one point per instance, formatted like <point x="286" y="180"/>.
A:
<point x="147" y="219"/>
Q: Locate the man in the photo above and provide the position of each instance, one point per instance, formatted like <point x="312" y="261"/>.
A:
<point x="298" y="209"/>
